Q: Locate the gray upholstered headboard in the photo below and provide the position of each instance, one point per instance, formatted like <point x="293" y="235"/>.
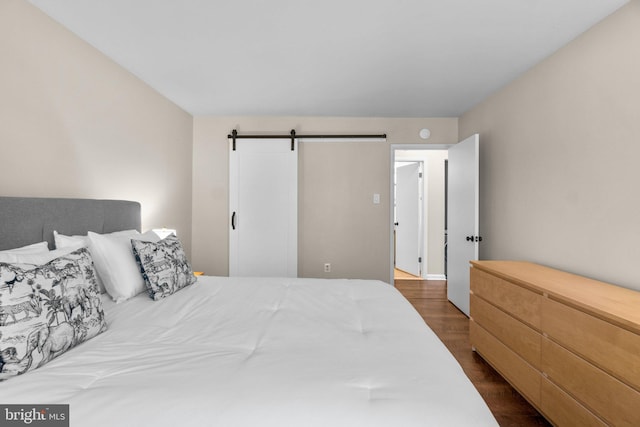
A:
<point x="26" y="220"/>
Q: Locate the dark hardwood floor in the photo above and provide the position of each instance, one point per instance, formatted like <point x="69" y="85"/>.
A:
<point x="452" y="327"/>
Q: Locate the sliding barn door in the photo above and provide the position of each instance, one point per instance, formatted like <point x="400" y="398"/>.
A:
<point x="263" y="208"/>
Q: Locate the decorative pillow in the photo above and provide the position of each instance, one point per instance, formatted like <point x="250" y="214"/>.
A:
<point x="45" y="310"/>
<point x="113" y="257"/>
<point x="11" y="255"/>
<point x="164" y="266"/>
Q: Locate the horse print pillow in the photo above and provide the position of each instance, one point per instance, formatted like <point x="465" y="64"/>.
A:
<point x="164" y="266"/>
<point x="45" y="310"/>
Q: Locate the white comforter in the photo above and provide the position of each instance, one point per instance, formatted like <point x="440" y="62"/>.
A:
<point x="260" y="352"/>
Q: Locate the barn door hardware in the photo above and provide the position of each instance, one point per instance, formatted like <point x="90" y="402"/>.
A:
<point x="234" y="136"/>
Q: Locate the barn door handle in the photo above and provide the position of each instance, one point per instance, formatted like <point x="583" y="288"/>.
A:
<point x="233" y="221"/>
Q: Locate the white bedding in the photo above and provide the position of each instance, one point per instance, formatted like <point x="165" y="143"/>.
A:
<point x="260" y="352"/>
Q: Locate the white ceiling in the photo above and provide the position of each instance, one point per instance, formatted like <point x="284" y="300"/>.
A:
<point x="378" y="58"/>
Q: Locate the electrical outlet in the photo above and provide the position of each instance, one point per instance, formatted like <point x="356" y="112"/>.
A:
<point x="327" y="268"/>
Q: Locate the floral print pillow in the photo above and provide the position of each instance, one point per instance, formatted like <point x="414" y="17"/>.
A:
<point x="45" y="310"/>
<point x="164" y="266"/>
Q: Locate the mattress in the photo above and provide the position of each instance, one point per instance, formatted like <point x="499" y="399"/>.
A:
<point x="260" y="351"/>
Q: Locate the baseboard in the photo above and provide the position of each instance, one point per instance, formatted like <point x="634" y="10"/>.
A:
<point x="436" y="277"/>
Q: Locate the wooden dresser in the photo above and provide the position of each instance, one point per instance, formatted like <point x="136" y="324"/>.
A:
<point x="570" y="345"/>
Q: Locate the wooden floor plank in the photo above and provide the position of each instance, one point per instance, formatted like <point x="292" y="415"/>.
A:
<point x="403" y="275"/>
<point x="452" y="327"/>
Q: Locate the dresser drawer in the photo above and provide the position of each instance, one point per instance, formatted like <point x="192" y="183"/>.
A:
<point x="512" y="367"/>
<point x="607" y="346"/>
<point x="511" y="332"/>
<point x="612" y="400"/>
<point x="563" y="410"/>
<point x="518" y="301"/>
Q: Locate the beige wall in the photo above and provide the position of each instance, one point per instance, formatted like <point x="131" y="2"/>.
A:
<point x="338" y="222"/>
<point x="559" y="153"/>
<point x="560" y="157"/>
<point x="75" y="124"/>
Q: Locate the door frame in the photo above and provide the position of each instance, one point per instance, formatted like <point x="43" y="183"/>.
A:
<point x="393" y="148"/>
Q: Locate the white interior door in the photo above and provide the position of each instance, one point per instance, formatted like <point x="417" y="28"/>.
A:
<point x="463" y="219"/>
<point x="263" y="208"/>
<point x="408" y="233"/>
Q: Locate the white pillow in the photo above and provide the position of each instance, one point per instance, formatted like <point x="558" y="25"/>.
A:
<point x="37" y="259"/>
<point x="29" y="249"/>
<point x="76" y="242"/>
<point x="11" y="255"/>
<point x="63" y="241"/>
<point x="115" y="263"/>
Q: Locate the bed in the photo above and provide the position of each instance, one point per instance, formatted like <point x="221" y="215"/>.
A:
<point x="241" y="351"/>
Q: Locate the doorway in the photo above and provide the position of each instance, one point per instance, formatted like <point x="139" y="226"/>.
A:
<point x="426" y="239"/>
<point x="463" y="195"/>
